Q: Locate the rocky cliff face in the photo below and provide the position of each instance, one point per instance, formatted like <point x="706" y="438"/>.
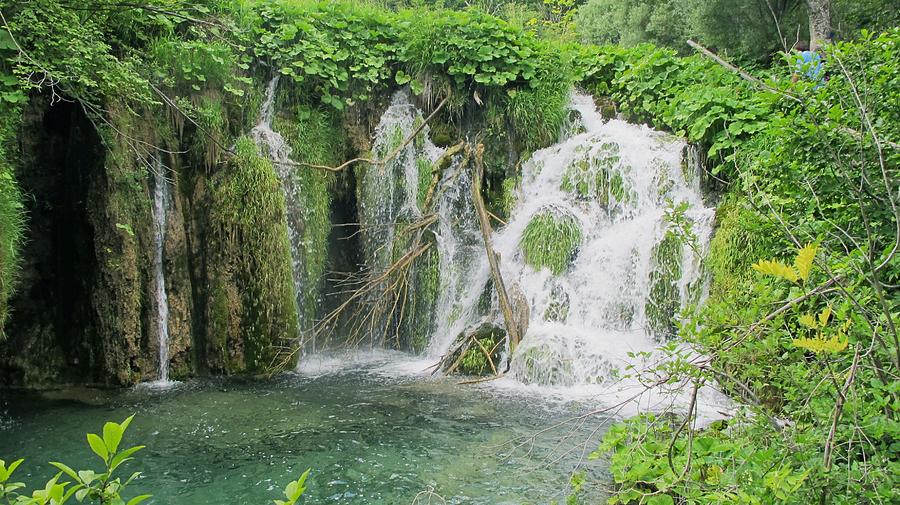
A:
<point x="86" y="307"/>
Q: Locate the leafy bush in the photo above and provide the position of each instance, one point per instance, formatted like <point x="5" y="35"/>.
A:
<point x="805" y="335"/>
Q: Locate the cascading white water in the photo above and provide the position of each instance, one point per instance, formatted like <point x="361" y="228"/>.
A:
<point x="390" y="191"/>
<point x="161" y="201"/>
<point x="614" y="182"/>
<point x="464" y="270"/>
<point x="273" y="145"/>
<point x="390" y="197"/>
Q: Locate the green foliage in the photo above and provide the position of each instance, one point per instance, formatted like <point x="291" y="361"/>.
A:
<point x="12" y="213"/>
<point x="726" y="468"/>
<point x="811" y="360"/>
<point x="485" y="341"/>
<point x="294" y="490"/>
<point x="97" y="487"/>
<point x="471" y="47"/>
<point x="629" y="23"/>
<point x="551" y="239"/>
<point x="338" y="50"/>
<point x="692" y="97"/>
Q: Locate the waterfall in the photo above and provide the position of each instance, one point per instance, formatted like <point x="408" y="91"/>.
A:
<point x="161" y="201"/>
<point x="391" y="196"/>
<point x="273" y="146"/>
<point x="590" y="247"/>
<point x="464" y="270"/>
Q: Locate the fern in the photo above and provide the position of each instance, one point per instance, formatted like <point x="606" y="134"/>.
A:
<point x="776" y="269"/>
<point x="799" y="272"/>
<point x="804" y="261"/>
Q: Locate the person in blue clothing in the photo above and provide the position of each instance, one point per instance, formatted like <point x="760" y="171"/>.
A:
<point x="807" y="63"/>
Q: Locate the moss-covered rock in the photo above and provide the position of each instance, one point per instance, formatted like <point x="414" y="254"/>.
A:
<point x="551" y="239"/>
<point x="486" y="337"/>
<point x="249" y="268"/>
<point x="543" y="363"/>
<point x="315" y="137"/>
<point x="665" y="295"/>
<point x="558" y="308"/>
<point x="597" y="175"/>
<point x="12" y="216"/>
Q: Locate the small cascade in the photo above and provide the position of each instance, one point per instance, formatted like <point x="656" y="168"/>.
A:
<point x="273" y="146"/>
<point x="591" y="245"/>
<point x="161" y="202"/>
<point x="391" y="196"/>
<point x="464" y="271"/>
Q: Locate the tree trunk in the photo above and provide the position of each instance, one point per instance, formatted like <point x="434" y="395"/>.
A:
<point x="819" y="22"/>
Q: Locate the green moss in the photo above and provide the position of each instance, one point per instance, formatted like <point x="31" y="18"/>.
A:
<point x="443" y="134"/>
<point x="423" y="168"/>
<point x="315" y="136"/>
<point x="740" y="240"/>
<point x="598" y="176"/>
<point x="507" y="199"/>
<point x="542" y="364"/>
<point x="474" y="361"/>
<point x="422" y="298"/>
<point x="247" y="218"/>
<point x="551" y="240"/>
<point x="12" y="213"/>
<point x="558" y="308"/>
<point x="538" y="112"/>
<point x="665" y="297"/>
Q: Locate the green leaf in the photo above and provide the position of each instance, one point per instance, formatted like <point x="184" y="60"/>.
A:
<point x="98" y="446"/>
<point x="139" y="499"/>
<point x="126" y="228"/>
<point x="112" y="435"/>
<point x="776" y="269"/>
<point x="86" y="476"/>
<point x="123" y="456"/>
<point x="804" y="261"/>
<point x="68" y="470"/>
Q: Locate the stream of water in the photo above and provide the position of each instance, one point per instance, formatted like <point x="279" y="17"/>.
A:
<point x="371" y="433"/>
<point x="161" y="201"/>
<point x="276" y="148"/>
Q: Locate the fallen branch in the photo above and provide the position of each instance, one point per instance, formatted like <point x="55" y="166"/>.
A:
<point x="512" y="327"/>
<point x="487" y="355"/>
<point x="481" y="379"/>
<point x="741" y="72"/>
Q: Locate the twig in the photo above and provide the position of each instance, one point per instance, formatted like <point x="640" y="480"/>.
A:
<point x="838" y="408"/>
<point x="741" y="72"/>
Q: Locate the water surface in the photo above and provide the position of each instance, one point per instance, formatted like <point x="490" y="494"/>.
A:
<point x="369" y="438"/>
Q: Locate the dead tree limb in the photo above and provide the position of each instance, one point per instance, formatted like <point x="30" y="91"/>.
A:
<point x="838" y="408"/>
<point x="512" y="327"/>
